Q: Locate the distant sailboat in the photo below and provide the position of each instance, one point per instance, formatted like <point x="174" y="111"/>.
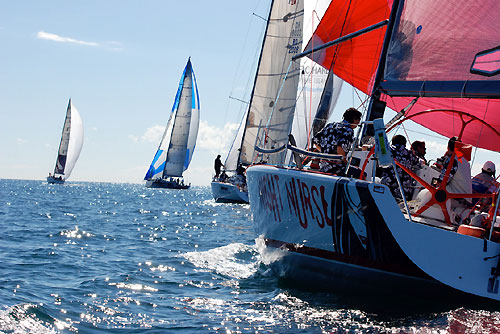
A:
<point x="177" y="144"/>
<point x="69" y="147"/>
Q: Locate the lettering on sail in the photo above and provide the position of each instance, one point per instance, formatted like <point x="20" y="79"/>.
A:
<point x="307" y="203"/>
<point x="270" y="195"/>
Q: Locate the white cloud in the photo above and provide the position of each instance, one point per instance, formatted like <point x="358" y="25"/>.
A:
<point x="216" y="139"/>
<point x="153" y="134"/>
<point x="198" y="175"/>
<point x="21" y="141"/>
<point x="435" y="148"/>
<point x="135" y="139"/>
<point x="57" y="38"/>
<point x="210" y="138"/>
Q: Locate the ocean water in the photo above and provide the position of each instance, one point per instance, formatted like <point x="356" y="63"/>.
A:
<point x="120" y="258"/>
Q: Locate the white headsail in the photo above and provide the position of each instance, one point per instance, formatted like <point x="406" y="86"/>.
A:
<point x="71" y="142"/>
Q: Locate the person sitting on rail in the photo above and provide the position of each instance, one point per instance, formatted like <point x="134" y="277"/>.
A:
<point x="337" y="138"/>
<point x="485" y="183"/>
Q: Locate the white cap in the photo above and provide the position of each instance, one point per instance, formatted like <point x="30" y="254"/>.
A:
<point x="489" y="167"/>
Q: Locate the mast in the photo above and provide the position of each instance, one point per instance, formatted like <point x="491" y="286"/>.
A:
<point x="376" y="106"/>
<point x="177" y="146"/>
<point x="324" y="108"/>
<point x="254" y="82"/>
<point x="62" y="152"/>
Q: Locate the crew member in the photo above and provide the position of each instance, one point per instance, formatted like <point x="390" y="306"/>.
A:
<point x="337" y="138"/>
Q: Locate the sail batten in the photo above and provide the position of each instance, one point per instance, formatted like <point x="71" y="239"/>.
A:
<point x="179" y="138"/>
<point x="283" y="37"/>
<point x="314" y="81"/>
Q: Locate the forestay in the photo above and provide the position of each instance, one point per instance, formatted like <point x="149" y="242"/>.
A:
<point x="268" y="122"/>
<point x="71" y="142"/>
<point x="178" y="142"/>
<point x="231" y="163"/>
<point x="315" y="83"/>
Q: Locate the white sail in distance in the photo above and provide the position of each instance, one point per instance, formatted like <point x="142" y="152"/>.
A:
<point x="71" y="142"/>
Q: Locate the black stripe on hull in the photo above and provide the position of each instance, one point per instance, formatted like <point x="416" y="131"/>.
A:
<point x="395" y="268"/>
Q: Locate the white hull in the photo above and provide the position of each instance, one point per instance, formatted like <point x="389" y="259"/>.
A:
<point x="354" y="231"/>
<point x="228" y="193"/>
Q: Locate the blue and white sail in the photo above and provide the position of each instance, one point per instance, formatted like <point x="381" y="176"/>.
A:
<point x="179" y="139"/>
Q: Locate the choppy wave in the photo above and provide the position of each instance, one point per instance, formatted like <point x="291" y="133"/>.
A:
<point x="120" y="258"/>
<point x="30" y="318"/>
<point x="235" y="260"/>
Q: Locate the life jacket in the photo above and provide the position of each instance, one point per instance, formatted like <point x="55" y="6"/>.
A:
<point x="483" y="183"/>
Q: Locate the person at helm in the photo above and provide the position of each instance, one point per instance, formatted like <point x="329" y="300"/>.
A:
<point x="484" y="182"/>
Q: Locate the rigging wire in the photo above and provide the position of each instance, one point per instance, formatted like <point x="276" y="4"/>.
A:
<point x="294" y="16"/>
<point x="426" y="134"/>
<point x="238" y="68"/>
<point x="309" y="121"/>
<point x="311" y="79"/>
<point x="480" y="132"/>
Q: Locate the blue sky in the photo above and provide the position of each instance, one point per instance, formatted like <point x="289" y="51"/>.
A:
<point x="120" y="62"/>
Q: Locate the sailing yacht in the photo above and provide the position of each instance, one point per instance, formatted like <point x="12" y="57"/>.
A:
<point x="286" y="27"/>
<point x="176" y="148"/>
<point x="434" y="64"/>
<point x="69" y="146"/>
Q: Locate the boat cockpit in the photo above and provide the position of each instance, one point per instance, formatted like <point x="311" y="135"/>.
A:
<point x="433" y="200"/>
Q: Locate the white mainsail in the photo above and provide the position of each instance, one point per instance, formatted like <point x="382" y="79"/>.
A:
<point x="179" y="139"/>
<point x="268" y="122"/>
<point x="312" y="81"/>
<point x="71" y="142"/>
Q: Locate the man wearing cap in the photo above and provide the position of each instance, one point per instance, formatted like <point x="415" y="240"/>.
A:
<point x="484" y="182"/>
